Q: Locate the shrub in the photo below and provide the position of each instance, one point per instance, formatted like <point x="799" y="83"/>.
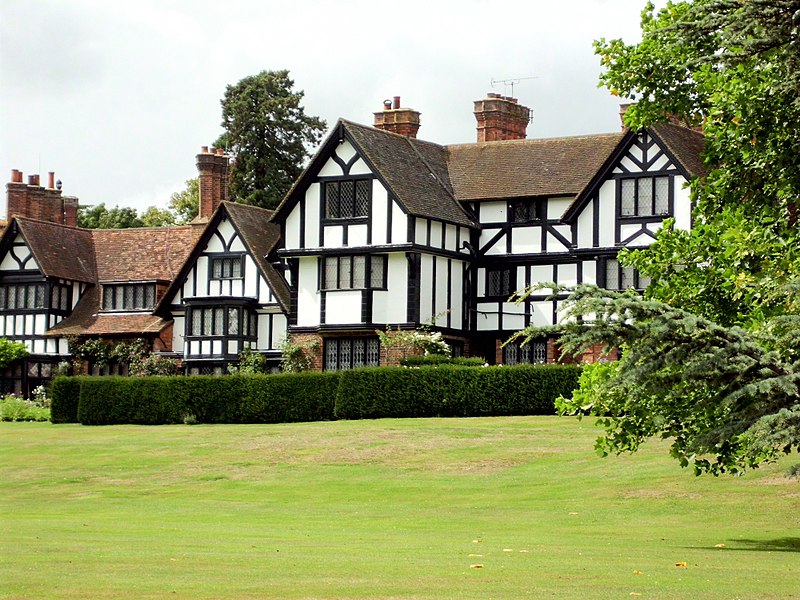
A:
<point x="19" y="409"/>
<point x="438" y="359"/>
<point x="64" y="395"/>
<point x="453" y="391"/>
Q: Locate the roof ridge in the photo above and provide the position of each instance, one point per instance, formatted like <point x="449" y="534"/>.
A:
<point x="535" y="140"/>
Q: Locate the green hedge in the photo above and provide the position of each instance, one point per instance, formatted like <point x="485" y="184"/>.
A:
<point x="64" y="395"/>
<point x="437" y="359"/>
<point x="207" y="399"/>
<point x="448" y="391"/>
<point x="445" y="391"/>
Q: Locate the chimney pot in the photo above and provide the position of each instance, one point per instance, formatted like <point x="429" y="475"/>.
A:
<point x="31" y="179"/>
<point x="204" y="149"/>
<point x="51" y="180"/>
<point x="387" y="104"/>
<point x="16" y="176"/>
<point x="396" y="103"/>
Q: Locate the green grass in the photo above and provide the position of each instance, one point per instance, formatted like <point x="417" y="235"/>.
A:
<point x="381" y="509"/>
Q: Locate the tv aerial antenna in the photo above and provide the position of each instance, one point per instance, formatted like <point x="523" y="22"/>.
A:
<point x="511" y="82"/>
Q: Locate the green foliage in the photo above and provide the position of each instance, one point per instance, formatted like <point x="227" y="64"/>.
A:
<point x="450" y="391"/>
<point x="65" y="394"/>
<point x="251" y="362"/>
<point x="136" y="354"/>
<point x="416" y="341"/>
<point x="712" y="356"/>
<point x="439" y="359"/>
<point x="727" y="397"/>
<point x="731" y="67"/>
<point x="203" y="399"/>
<point x="267" y="132"/>
<point x="297" y="357"/>
<point x="157" y="217"/>
<point x="11" y="351"/>
<point x="186" y="204"/>
<point x="36" y="408"/>
<point x="100" y="217"/>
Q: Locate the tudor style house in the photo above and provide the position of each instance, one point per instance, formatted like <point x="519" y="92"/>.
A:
<point x="386" y="231"/>
<point x="381" y="231"/>
<point x="200" y="293"/>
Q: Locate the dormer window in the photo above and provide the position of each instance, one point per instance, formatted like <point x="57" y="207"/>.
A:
<point x="524" y="211"/>
<point x="227" y="267"/>
<point x="129" y="296"/>
<point x="347" y="199"/>
<point x="644" y="196"/>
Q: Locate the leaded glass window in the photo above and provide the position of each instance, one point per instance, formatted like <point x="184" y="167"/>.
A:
<point x="532" y="352"/>
<point x="350" y="353"/>
<point x="353" y="272"/>
<point x="127" y="296"/>
<point x="226" y="267"/>
<point x="500" y="282"/>
<point x="347" y="199"/>
<point x="644" y="196"/>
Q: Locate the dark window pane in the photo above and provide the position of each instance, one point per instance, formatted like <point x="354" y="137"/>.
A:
<point x="219" y="315"/>
<point x="359" y="272"/>
<point x="233" y="321"/>
<point x="377" y="271"/>
<point x="644" y="201"/>
<point x="347" y="199"/>
<point x="612" y="274"/>
<point x="332" y="200"/>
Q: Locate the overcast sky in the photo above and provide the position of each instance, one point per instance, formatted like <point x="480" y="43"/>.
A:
<point x="117" y="97"/>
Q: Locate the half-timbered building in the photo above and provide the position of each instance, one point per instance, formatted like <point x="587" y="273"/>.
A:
<point x="385" y="231"/>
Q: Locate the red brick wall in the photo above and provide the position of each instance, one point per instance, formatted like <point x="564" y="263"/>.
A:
<point x="501" y="118"/>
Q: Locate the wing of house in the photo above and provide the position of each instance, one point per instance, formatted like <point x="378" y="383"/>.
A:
<point x="227" y="297"/>
<point x="384" y="230"/>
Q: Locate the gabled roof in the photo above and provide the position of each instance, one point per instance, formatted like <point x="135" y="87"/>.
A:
<point x="259" y="234"/>
<point x="60" y="251"/>
<point x="142" y="254"/>
<point x="414" y="171"/>
<point x="685" y="145"/>
<point x="524" y="168"/>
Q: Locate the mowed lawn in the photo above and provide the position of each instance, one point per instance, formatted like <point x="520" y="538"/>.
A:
<point x="439" y="508"/>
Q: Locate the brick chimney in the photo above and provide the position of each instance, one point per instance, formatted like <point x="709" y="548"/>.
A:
<point x="33" y="201"/>
<point x="501" y="118"/>
<point x="404" y="121"/>
<point x="212" y="168"/>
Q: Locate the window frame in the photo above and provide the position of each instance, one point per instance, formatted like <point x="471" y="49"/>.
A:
<point x="370" y="276"/>
<point x="115" y="296"/>
<point x="511" y="282"/>
<point x="333" y="355"/>
<point x="637" y="181"/>
<point x="328" y="199"/>
<point x="534" y="205"/>
<point x="515" y="353"/>
<point x="638" y="282"/>
<point x="224" y="259"/>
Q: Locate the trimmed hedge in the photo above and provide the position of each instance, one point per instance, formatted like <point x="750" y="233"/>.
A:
<point x="448" y="391"/>
<point x="438" y="359"/>
<point x="444" y="391"/>
<point x="207" y="399"/>
<point x="64" y="396"/>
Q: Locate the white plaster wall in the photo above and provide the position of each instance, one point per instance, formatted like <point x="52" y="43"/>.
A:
<point x="313" y="206"/>
<point x="568" y="274"/>
<point x="606" y="210"/>
<point x="292" y="227"/>
<point x="399" y="224"/>
<point x="526" y="240"/>
<point x="486" y="318"/>
<point x="442" y="284"/>
<point x="178" y="325"/>
<point x="557" y="207"/>
<point x="426" y="288"/>
<point x="683" y="204"/>
<point x="541" y="274"/>
<point x="333" y="236"/>
<point x="457" y="294"/>
<point x="436" y="234"/>
<point x="421" y="230"/>
<point x="390" y="306"/>
<point x="499" y="247"/>
<point x="450" y="237"/>
<point x="360" y="168"/>
<point x="493" y="212"/>
<point x="308" y="305"/>
<point x="541" y="313"/>
<point x="589" y="271"/>
<point x="380" y="213"/>
<point x="331" y="168"/>
<point x="585" y="226"/>
<point x="343" y="307"/>
<point x="357" y="235"/>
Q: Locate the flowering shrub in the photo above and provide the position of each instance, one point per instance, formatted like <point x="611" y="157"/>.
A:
<point x="418" y="341"/>
<point x="37" y="408"/>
